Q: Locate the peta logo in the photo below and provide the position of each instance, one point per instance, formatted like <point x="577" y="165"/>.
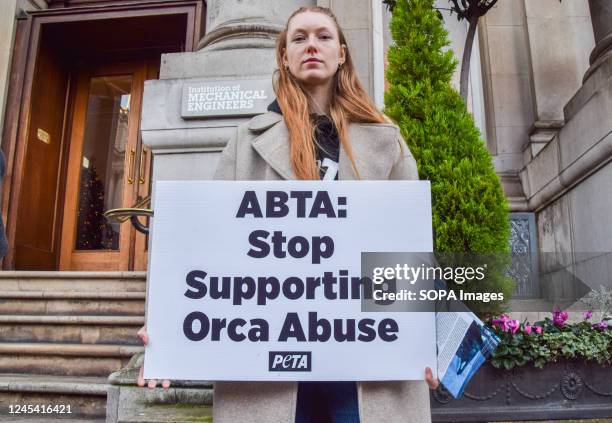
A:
<point x="290" y="361"/>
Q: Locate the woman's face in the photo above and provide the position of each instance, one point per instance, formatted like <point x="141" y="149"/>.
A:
<point x="313" y="51"/>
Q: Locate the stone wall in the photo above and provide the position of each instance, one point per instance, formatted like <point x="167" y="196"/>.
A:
<point x="568" y="181"/>
<point x="534" y="56"/>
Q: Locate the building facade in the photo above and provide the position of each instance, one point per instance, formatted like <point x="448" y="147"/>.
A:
<point x="520" y="92"/>
<point x="95" y="110"/>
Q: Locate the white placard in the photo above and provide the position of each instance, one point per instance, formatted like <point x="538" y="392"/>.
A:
<point x="204" y="230"/>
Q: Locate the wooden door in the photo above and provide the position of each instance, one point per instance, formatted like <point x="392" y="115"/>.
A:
<point x="107" y="168"/>
<point x="39" y="212"/>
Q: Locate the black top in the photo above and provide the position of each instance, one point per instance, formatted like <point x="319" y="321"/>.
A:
<point x="326" y="140"/>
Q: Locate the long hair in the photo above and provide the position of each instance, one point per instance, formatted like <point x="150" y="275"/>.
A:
<point x="349" y="102"/>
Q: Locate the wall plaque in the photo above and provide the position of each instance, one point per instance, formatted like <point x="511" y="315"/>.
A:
<point x="226" y="98"/>
<point x="43" y="136"/>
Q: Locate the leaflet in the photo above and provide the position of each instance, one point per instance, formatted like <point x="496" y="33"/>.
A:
<point x="464" y="343"/>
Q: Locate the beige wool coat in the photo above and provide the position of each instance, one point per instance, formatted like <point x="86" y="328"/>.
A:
<point x="259" y="150"/>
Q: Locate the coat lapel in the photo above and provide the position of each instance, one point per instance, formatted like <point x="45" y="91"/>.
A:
<point x="371" y="155"/>
<point x="345" y="169"/>
<point x="272" y="145"/>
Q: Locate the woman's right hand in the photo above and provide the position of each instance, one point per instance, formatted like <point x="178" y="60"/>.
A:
<point x="144" y="337"/>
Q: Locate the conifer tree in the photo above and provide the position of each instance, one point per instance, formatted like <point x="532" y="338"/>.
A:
<point x="470" y="211"/>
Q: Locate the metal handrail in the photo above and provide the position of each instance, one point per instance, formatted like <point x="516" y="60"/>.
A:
<point x="121" y="215"/>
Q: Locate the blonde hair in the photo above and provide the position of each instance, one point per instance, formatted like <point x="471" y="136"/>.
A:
<point x="349" y="102"/>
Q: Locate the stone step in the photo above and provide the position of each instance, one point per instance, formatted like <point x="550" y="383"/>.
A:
<point x="71" y="329"/>
<point x="64" y="359"/>
<point x="53" y="420"/>
<point x="72" y="302"/>
<point x="72" y="281"/>
<point x="85" y="397"/>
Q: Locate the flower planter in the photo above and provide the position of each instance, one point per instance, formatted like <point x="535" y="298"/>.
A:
<point x="567" y="389"/>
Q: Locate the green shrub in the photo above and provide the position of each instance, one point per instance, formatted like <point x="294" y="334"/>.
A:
<point x="470" y="211"/>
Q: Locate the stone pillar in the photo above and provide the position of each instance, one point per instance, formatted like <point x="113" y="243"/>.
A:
<point x="601" y="19"/>
<point x="557" y="72"/>
<point x="232" y="23"/>
<point x="238" y="33"/>
<point x="510" y="108"/>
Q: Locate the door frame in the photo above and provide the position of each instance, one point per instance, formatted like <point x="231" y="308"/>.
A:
<point x="123" y="258"/>
<point x="27" y="45"/>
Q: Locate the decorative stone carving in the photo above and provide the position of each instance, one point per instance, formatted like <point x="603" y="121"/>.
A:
<point x="526" y="393"/>
<point x="522" y="246"/>
<point x="442" y="395"/>
<point x="571" y="385"/>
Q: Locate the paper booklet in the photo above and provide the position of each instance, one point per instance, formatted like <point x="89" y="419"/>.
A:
<point x="464" y="343"/>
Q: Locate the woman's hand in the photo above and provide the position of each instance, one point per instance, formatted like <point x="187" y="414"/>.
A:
<point x="431" y="382"/>
<point x="144" y="337"/>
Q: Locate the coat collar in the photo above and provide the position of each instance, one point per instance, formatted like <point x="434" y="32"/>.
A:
<point x="271" y="144"/>
<point x="264" y="121"/>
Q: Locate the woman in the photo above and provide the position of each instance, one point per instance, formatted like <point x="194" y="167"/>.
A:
<point x="323" y="125"/>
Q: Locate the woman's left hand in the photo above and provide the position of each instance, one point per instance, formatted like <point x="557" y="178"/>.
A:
<point x="431" y="382"/>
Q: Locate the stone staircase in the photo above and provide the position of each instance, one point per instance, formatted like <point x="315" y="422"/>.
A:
<point x="62" y="334"/>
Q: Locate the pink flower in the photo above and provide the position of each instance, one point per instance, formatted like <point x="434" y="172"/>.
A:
<point x="506" y="324"/>
<point x="514" y="326"/>
<point x="601" y="325"/>
<point x="559" y="317"/>
<point x="502" y="322"/>
<point x="527" y="329"/>
<point x="538" y="329"/>
<point x="587" y="314"/>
